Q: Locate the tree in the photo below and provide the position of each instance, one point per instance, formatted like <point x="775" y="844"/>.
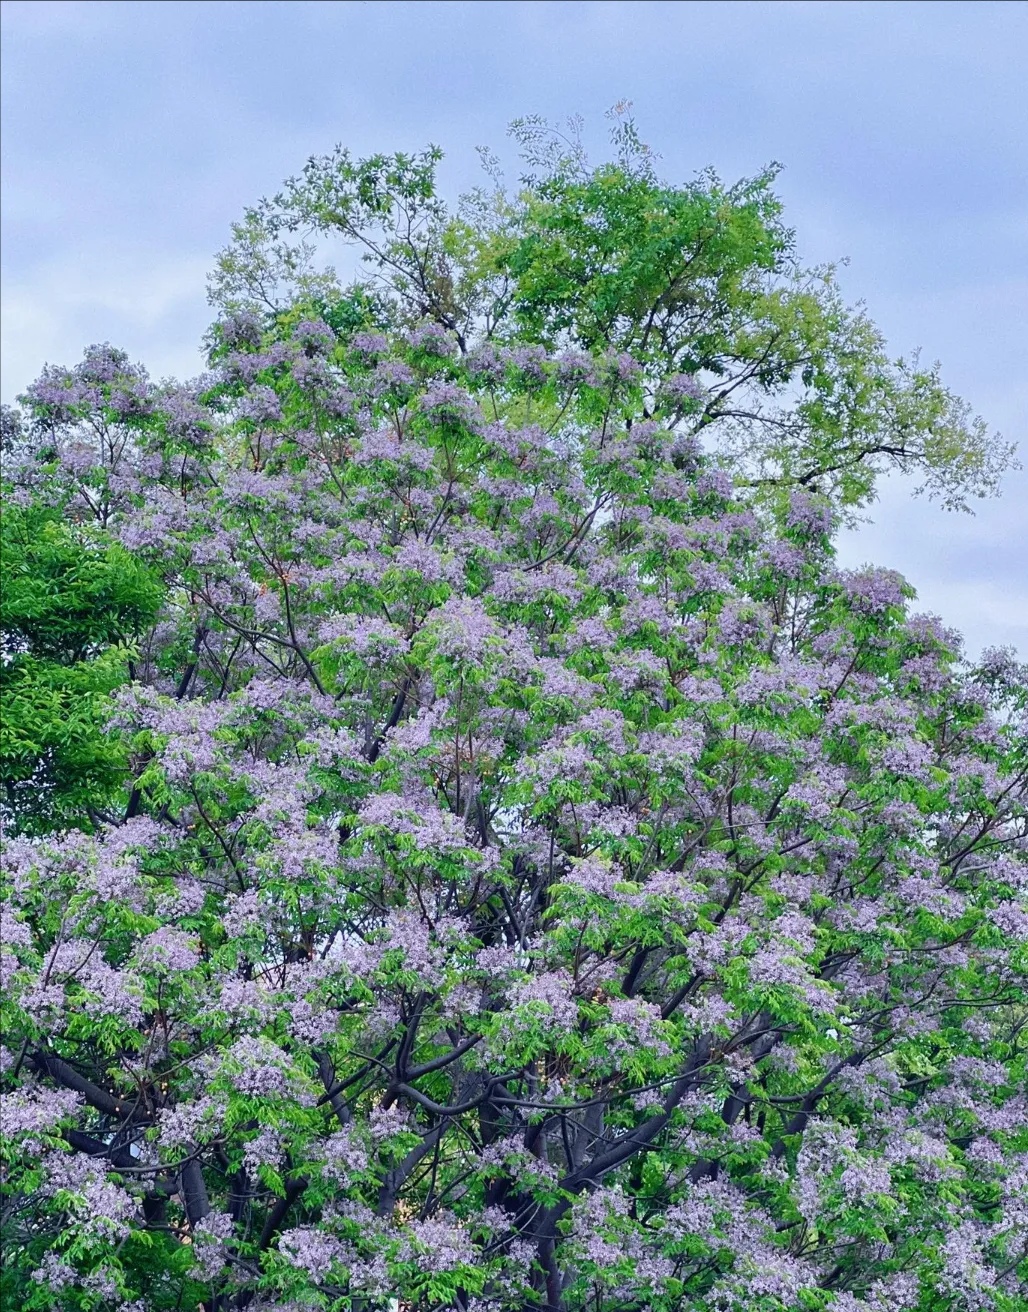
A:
<point x="545" y="881"/>
<point x="70" y="604"/>
<point x="701" y="279"/>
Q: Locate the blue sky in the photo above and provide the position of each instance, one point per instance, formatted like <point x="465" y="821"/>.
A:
<point x="134" y="133"/>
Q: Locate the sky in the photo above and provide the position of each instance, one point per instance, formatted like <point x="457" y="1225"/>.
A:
<point x="134" y="134"/>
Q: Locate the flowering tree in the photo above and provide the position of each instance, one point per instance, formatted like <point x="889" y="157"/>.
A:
<point x="542" y="880"/>
<point x="69" y="601"/>
<point x="694" y="279"/>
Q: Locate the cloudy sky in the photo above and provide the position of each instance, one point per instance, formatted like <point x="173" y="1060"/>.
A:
<point x="134" y="133"/>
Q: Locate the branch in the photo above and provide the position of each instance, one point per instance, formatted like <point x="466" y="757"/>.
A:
<point x="278" y="1213"/>
<point x="333" y="1096"/>
<point x="398" y="1176"/>
<point x="394" y="719"/>
<point x="47" y="1064"/>
<point x="194" y="1192"/>
<point x="437" y="1063"/>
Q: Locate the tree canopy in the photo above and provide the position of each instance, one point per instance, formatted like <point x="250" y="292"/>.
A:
<point x="701" y="279"/>
<point x="541" y="880"/>
<point x="71" y="600"/>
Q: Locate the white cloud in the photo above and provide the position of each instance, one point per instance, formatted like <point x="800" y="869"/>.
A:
<point x="972" y="570"/>
<point x="154" y="309"/>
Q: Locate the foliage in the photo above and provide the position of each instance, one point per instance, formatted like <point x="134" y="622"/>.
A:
<point x="700" y="279"/>
<point x="545" y="882"/>
<point x="542" y="885"/>
<point x="71" y="601"/>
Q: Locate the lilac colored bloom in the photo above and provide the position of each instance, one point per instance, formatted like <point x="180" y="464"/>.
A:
<point x="385" y="1122"/>
<point x="446" y="403"/>
<point x="55" y="1272"/>
<point x="344" y="1156"/>
<point x="185" y="418"/>
<point x="245" y="365"/>
<point x="260" y="405"/>
<point x="441" y="1244"/>
<point x="311" y="1023"/>
<point x="576" y="369"/>
<point x="529" y="362"/>
<point x="519" y="809"/>
<point x="682" y="387"/>
<point x="593" y="875"/>
<point x="625" y="368"/>
<point x="392" y="375"/>
<point x="314" y="336"/>
<point x="311" y="1250"/>
<point x="463" y="629"/>
<point x="56" y="394"/>
<point x="258" y="1067"/>
<point x="114" y="993"/>
<point x="486" y="364"/>
<point x="266" y="1148"/>
<point x="241" y="330"/>
<point x="417" y="817"/>
<point x="432" y="339"/>
<point x="167" y="949"/>
<point x="196" y="1120"/>
<point x="317" y="376"/>
<point x="741" y="621"/>
<point x="209" y="1237"/>
<point x="810" y="515"/>
<point x="548" y="997"/>
<point x="369" y="345"/>
<point x="715" y="482"/>
<point x="37" y="1110"/>
<point x="425" y="561"/>
<point x="873" y="591"/>
<point x="786" y="560"/>
<point x="102" y="1209"/>
<point x="370" y="637"/>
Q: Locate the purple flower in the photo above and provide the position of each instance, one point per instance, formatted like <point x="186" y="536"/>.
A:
<point x="192" y="1121"/>
<point x="432" y="339"/>
<point x="440" y="1244"/>
<point x="576" y="369"/>
<point x="55" y="1272"/>
<point x="370" y="637"/>
<point x="680" y="388"/>
<point x="447" y="403"/>
<point x="311" y="1250"/>
<point x="392" y="376"/>
<point x="715" y="482"/>
<point x="463" y="630"/>
<point x="487" y="365"/>
<point x="810" y="515"/>
<point x="369" y="345"/>
<point x="57" y="394"/>
<point x="314" y="336"/>
<point x="244" y="366"/>
<point x="344" y="1157"/>
<point x="260" y="405"/>
<point x="37" y="1110"/>
<point x="241" y="330"/>
<point x="548" y="997"/>
<point x="625" y="368"/>
<point x="185" y="418"/>
<point x="166" y="949"/>
<point x="417" y="817"/>
<point x="210" y="1235"/>
<point x="873" y="591"/>
<point x="529" y="362"/>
